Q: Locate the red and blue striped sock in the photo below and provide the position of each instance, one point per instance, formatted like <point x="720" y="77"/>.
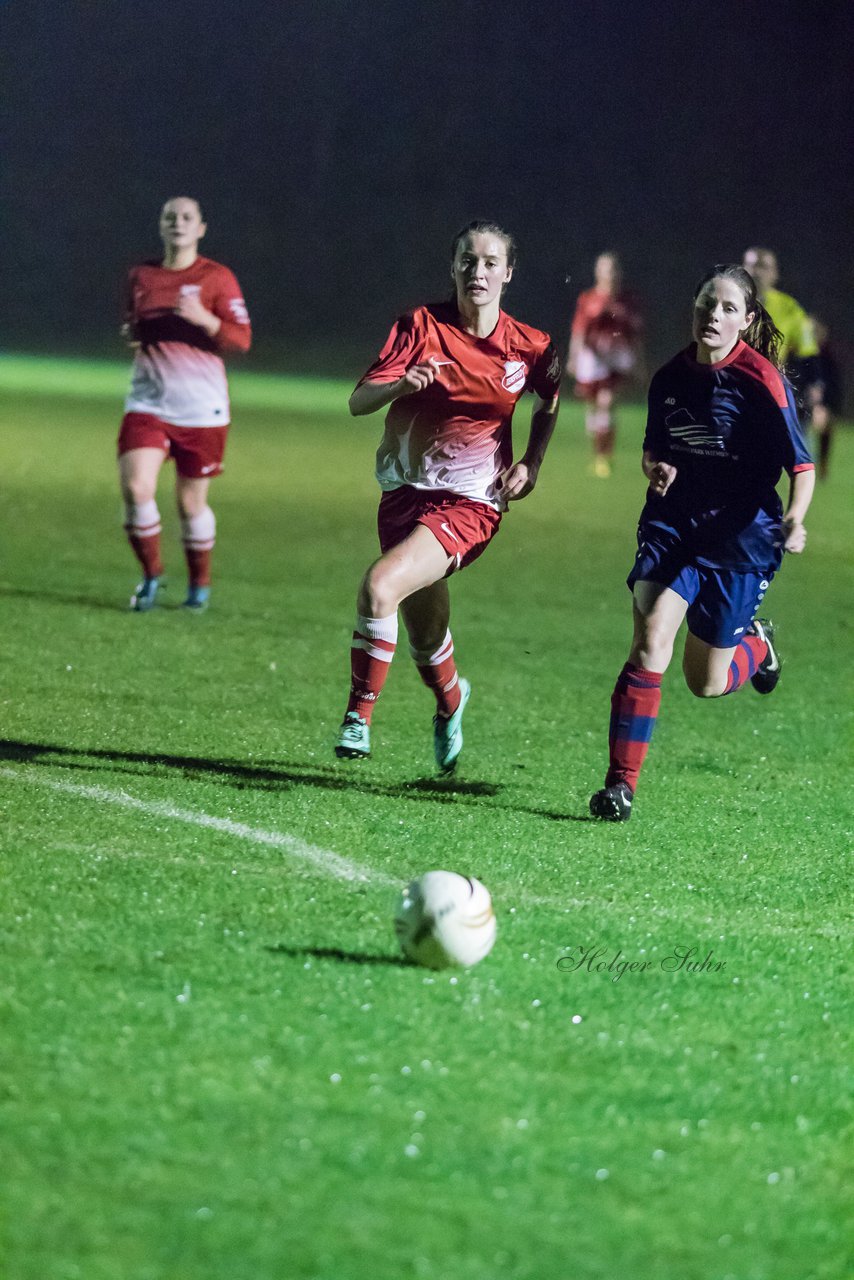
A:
<point x="745" y="662"/>
<point x="634" y="707"/>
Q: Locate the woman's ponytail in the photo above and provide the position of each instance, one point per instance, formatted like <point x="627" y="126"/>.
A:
<point x="764" y="336"/>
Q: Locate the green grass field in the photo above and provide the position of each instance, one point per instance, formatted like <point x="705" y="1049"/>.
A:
<point x="214" y="1065"/>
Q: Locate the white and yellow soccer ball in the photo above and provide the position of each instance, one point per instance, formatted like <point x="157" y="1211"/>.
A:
<point x="445" y="919"/>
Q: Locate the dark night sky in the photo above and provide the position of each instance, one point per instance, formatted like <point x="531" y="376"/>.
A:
<point x="337" y="147"/>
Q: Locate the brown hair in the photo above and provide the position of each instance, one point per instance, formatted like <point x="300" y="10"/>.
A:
<point x="481" y="226"/>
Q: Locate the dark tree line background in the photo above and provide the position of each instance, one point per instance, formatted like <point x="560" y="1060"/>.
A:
<point x="337" y="146"/>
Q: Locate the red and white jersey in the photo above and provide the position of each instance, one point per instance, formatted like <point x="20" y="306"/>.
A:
<point x="607" y="329"/>
<point x="456" y="433"/>
<point x="178" y="373"/>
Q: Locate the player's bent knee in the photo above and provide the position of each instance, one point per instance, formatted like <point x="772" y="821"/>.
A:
<point x="377" y="597"/>
<point x="704" y="686"/>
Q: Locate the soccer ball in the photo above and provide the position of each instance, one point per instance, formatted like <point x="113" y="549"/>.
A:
<point x="445" y="919"/>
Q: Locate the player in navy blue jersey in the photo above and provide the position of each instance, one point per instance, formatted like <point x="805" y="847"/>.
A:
<point x="721" y="428"/>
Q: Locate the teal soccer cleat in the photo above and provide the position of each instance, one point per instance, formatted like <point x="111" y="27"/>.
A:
<point x="198" y="599"/>
<point x="354" y="738"/>
<point x="145" y="595"/>
<point x="448" y="733"/>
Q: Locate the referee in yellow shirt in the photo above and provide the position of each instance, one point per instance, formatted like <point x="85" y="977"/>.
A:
<point x="799" y="349"/>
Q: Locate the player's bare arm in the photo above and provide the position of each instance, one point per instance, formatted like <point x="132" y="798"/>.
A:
<point x="191" y="308"/>
<point x="371" y="396"/>
<point x="519" y="480"/>
<point x="659" y="474"/>
<point x="800" y="495"/>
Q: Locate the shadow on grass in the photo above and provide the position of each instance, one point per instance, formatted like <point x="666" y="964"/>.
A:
<point x="264" y="775"/>
<point x="336" y="953"/>
<point x="62" y="597"/>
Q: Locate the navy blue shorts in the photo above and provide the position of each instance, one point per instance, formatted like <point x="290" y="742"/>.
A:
<point x="722" y="603"/>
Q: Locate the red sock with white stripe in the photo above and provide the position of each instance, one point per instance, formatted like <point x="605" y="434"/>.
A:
<point x="746" y="661"/>
<point x="142" y="526"/>
<point x="198" y="534"/>
<point x="374" y="643"/>
<point x="439" y="672"/>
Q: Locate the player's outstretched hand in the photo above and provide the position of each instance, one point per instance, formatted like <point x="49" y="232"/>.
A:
<point x="417" y="378"/>
<point x="517" y="481"/>
<point x="795" y="536"/>
<point x="661" y="476"/>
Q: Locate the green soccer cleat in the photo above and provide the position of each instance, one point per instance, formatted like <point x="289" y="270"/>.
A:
<point x="448" y="732"/>
<point x="354" y="738"/>
<point x="145" y="595"/>
<point x="765" y="678"/>
<point x="198" y="599"/>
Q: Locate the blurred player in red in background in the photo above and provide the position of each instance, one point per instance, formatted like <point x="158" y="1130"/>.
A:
<point x="452" y="373"/>
<point x="721" y="428"/>
<point x="604" y="350"/>
<point x="182" y="313"/>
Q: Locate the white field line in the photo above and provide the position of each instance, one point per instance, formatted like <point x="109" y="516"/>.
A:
<point x="333" y="864"/>
<point x="323" y="860"/>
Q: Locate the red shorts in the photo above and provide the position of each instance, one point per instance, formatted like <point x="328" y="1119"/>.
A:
<point x="198" y="451"/>
<point x="462" y="526"/>
<point x="589" y="390"/>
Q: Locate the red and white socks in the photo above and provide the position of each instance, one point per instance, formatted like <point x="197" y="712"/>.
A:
<point x="142" y="526"/>
<point x="371" y="652"/>
<point x="373" y="647"/>
<point x="198" y="534"/>
<point x="600" y="427"/>
<point x="439" y="672"/>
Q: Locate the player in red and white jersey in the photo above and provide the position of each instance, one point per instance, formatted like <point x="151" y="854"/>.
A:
<point x="182" y="314"/>
<point x="604" y="351"/>
<point x="451" y="374"/>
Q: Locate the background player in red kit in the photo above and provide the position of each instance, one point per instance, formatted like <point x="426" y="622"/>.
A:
<point x="722" y="426"/>
<point x="604" y="351"/>
<point x="182" y="313"/>
<point x="452" y="373"/>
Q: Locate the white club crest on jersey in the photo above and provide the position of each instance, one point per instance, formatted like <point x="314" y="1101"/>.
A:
<point x="515" y="375"/>
<point x="187" y="289"/>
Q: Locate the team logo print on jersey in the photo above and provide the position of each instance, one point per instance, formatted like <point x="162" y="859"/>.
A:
<point x="515" y="375"/>
<point x="238" y="309"/>
<point x="694" y="435"/>
<point x="187" y="289"/>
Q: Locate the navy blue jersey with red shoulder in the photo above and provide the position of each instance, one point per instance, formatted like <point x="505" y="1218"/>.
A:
<point x="730" y="429"/>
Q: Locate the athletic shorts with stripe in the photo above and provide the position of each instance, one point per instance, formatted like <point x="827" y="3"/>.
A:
<point x="461" y="525"/>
